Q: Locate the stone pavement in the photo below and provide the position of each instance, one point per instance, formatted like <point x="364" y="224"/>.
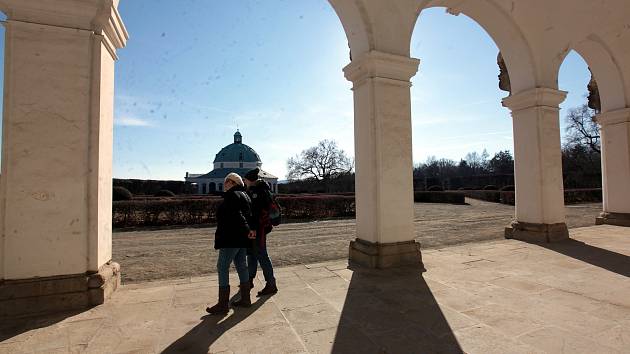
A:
<point x="495" y="297"/>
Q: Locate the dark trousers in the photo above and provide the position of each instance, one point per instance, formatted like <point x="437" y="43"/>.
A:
<point x="258" y="254"/>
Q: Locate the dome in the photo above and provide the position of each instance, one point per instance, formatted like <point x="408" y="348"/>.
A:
<point x="237" y="152"/>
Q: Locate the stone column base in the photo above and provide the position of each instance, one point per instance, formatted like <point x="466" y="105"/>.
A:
<point x="537" y="233"/>
<point x="37" y="296"/>
<point x="385" y="255"/>
<point x="618" y="219"/>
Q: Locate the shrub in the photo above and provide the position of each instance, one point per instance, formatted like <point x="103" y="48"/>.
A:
<point x="576" y="196"/>
<point x="571" y="196"/>
<point x="435" y="188"/>
<point x="509" y="188"/>
<point x="488" y="196"/>
<point x="164" y="193"/>
<point x="507" y="197"/>
<point x="439" y="197"/>
<point x="193" y="211"/>
<point x="490" y="187"/>
<point x="121" y="193"/>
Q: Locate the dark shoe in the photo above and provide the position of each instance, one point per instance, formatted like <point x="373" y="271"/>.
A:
<point x="269" y="289"/>
<point x="223" y="306"/>
<point x="245" y="300"/>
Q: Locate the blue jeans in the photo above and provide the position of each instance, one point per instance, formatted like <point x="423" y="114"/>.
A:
<point x="261" y="255"/>
<point x="226" y="256"/>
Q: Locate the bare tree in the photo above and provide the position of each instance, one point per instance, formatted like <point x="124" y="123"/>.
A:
<point x="321" y="162"/>
<point x="582" y="129"/>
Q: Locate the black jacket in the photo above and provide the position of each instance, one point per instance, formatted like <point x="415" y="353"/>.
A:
<point x="260" y="194"/>
<point x="233" y="220"/>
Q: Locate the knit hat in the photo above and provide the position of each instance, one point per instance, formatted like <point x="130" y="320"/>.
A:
<point x="252" y="175"/>
<point x="234" y="178"/>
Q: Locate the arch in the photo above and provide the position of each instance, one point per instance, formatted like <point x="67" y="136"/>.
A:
<point x="352" y="17"/>
<point x="368" y="25"/>
<point x="607" y="73"/>
<point x="504" y="32"/>
<point x="212" y="187"/>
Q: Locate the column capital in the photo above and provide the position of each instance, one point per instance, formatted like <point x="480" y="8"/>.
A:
<point x="376" y="64"/>
<point x="536" y="97"/>
<point x="98" y="16"/>
<point x="613" y="117"/>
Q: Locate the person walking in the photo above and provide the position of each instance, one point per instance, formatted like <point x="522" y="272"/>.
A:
<point x="232" y="238"/>
<point x="260" y="194"/>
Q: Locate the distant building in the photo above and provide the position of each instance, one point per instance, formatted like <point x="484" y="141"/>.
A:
<point x="236" y="157"/>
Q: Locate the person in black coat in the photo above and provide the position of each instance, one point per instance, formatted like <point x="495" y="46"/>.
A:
<point x="260" y="194"/>
<point x="232" y="239"/>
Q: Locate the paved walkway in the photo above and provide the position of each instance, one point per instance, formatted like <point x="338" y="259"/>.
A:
<point x="495" y="297"/>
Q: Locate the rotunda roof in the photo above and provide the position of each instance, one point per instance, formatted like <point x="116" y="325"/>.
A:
<point x="237" y="152"/>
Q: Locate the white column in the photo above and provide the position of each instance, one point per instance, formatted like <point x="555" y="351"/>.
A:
<point x="540" y="214"/>
<point x="615" y="138"/>
<point x="55" y="193"/>
<point x="384" y="183"/>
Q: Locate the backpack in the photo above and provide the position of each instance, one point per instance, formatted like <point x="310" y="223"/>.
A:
<point x="275" y="212"/>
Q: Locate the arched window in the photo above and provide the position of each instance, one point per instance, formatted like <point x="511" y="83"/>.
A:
<point x="203" y="188"/>
<point x="220" y="187"/>
<point x="212" y="187"/>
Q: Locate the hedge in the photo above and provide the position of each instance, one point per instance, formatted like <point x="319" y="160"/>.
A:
<point x="195" y="211"/>
<point x="151" y="211"/>
<point x="121" y="193"/>
<point x="439" y="197"/>
<point x="571" y="196"/>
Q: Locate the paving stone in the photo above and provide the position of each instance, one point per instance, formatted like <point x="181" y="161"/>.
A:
<point x="329" y="284"/>
<point x="296" y="298"/>
<point x="574" y="301"/>
<point x="496" y="297"/>
<point x="276" y="338"/>
<point x="520" y="285"/>
<point x="345" y="339"/>
<point x="504" y="320"/>
<point x="555" y="340"/>
<point x="460" y="300"/>
<point x="481" y="339"/>
<point x="617" y="337"/>
<point x="313" y="318"/>
<point x="309" y="275"/>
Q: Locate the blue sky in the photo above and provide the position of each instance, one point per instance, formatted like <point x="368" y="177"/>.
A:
<point x="192" y="73"/>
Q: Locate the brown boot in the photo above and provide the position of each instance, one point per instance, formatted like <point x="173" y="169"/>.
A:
<point x="269" y="289"/>
<point x="245" y="300"/>
<point x="223" y="306"/>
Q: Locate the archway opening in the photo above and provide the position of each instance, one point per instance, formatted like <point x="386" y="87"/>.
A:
<point x="462" y="136"/>
<point x="581" y="146"/>
<point x="270" y="70"/>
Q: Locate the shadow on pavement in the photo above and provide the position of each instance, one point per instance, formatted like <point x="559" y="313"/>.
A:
<point x="599" y="257"/>
<point x="392" y="311"/>
<point x="200" y="338"/>
<point x="13" y="327"/>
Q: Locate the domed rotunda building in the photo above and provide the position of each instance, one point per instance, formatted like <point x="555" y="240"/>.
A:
<point x="236" y="157"/>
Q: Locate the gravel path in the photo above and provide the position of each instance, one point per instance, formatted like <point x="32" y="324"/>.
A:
<point x="185" y="252"/>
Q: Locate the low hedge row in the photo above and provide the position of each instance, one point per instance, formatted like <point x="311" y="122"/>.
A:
<point x="163" y="212"/>
<point x="439" y="197"/>
<point x="571" y="196"/>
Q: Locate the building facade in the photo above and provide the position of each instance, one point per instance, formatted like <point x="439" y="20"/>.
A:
<point x="236" y="157"/>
